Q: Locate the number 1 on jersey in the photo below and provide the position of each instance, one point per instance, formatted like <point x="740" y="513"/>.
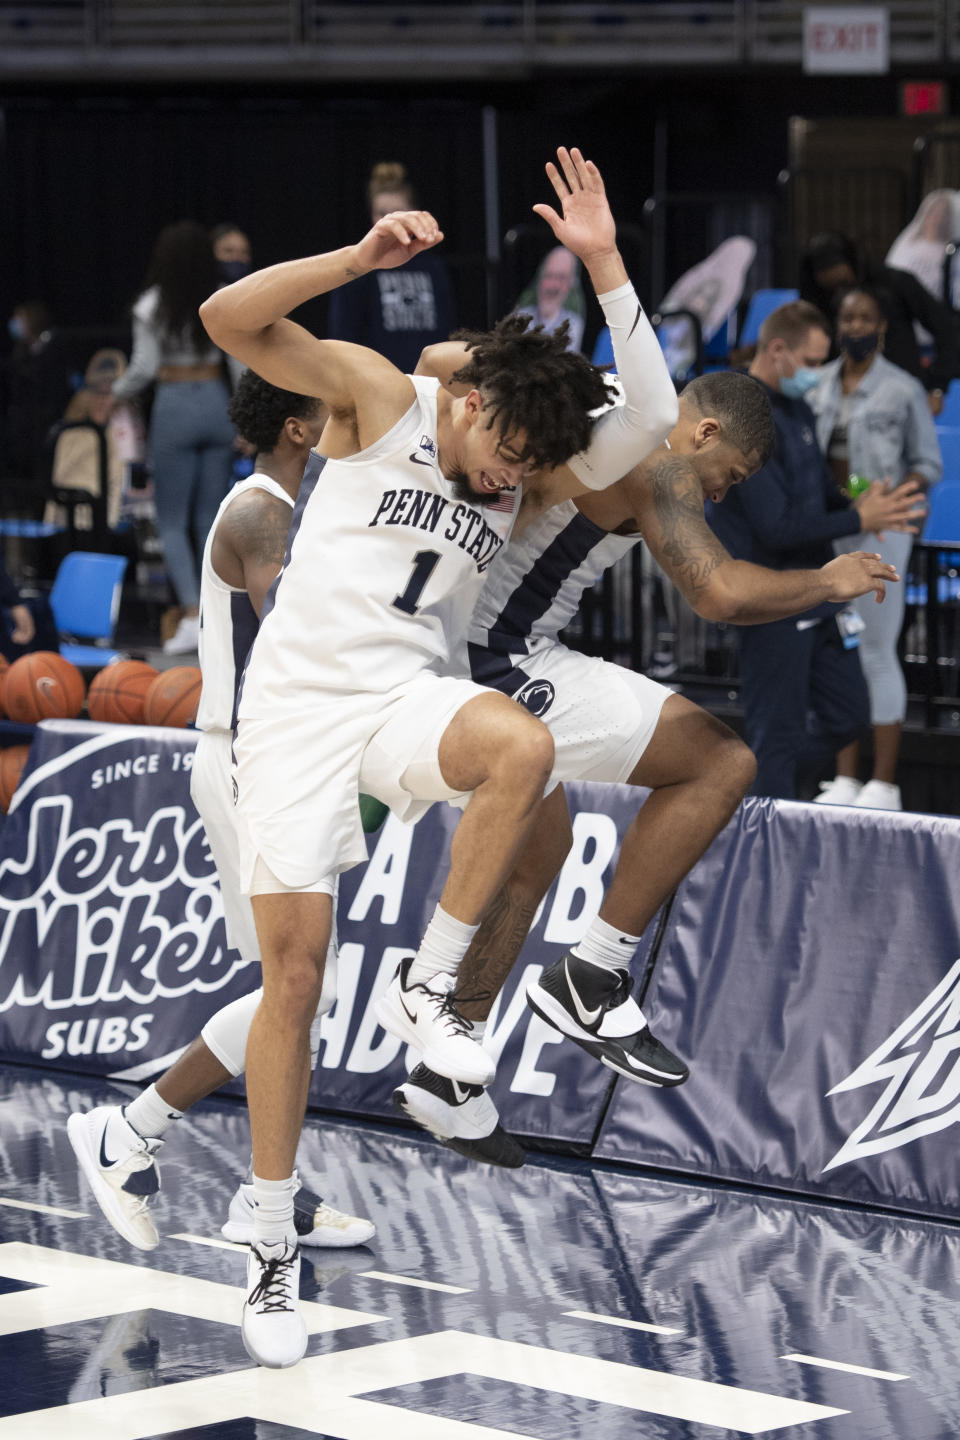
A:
<point x="424" y="564"/>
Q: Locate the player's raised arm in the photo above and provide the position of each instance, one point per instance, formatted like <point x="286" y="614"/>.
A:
<point x="247" y="319"/>
<point x="624" y="434"/>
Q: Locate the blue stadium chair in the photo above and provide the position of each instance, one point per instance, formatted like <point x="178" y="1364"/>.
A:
<point x="85" y="600"/>
<point x="943" y="516"/>
<point x="761" y="304"/>
<point x="949" y="438"/>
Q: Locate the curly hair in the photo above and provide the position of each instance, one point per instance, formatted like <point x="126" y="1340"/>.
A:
<point x="531" y="382"/>
<point x="740" y="404"/>
<point x="260" y="410"/>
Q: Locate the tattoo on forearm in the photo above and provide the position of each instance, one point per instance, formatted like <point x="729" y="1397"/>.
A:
<point x="493" y="951"/>
<point x="687" y="544"/>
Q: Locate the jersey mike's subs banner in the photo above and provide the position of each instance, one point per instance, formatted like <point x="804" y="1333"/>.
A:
<point x="113" y="949"/>
<point x="809" y="972"/>
<point x="811" y="975"/>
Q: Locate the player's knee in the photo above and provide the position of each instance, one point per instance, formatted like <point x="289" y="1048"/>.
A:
<point x="735" y="767"/>
<point x="529" y="756"/>
<point x="293" y="986"/>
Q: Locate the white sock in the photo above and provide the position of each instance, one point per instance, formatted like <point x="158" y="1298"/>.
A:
<point x="442" y="948"/>
<point x="604" y="946"/>
<point x="150" y="1115"/>
<point x="273" y="1210"/>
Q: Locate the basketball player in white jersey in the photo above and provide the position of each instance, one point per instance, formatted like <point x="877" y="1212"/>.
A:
<point x="117" y="1146"/>
<point x="344" y="691"/>
<point x="610" y="724"/>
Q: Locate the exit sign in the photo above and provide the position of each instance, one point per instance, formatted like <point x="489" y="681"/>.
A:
<point x="923" y="97"/>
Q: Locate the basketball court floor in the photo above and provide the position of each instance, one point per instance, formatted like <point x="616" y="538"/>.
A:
<point x="561" y="1300"/>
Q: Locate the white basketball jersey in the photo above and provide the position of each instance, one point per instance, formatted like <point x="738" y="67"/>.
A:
<point x="228" y="622"/>
<point x="535" y="587"/>
<point x="384" y="565"/>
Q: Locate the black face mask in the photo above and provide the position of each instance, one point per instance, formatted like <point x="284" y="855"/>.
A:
<point x="231" y="270"/>
<point x="859" y="347"/>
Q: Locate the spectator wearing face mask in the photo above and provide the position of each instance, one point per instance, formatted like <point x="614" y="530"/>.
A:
<point x="873" y="421"/>
<point x="832" y="264"/>
<point x="190" y="443"/>
<point x="231" y="250"/>
<point x="786" y="517"/>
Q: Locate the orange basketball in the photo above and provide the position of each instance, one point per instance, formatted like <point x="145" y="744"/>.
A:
<point x="4" y="667"/>
<point x="12" y="760"/>
<point x="173" y="696"/>
<point x="42" y="686"/>
<point x="117" y="692"/>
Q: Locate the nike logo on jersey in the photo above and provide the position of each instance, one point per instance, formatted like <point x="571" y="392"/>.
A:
<point x="419" y="460"/>
<point x="587" y="1017"/>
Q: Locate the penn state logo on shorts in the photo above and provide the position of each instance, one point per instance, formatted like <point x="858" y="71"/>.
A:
<point x="536" y="696"/>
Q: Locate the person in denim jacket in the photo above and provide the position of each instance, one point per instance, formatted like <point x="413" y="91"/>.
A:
<point x="873" y="420"/>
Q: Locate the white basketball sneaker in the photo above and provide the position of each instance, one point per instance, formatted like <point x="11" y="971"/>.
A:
<point x="318" y="1224"/>
<point x="879" y="795"/>
<point x="426" y="1017"/>
<point x="121" y="1169"/>
<point x="462" y="1117"/>
<point x="273" y="1329"/>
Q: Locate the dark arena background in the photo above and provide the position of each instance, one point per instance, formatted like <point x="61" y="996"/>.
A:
<point x="772" y="1248"/>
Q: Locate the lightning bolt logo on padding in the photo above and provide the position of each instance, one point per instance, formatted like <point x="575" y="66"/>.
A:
<point x="920" y="1063"/>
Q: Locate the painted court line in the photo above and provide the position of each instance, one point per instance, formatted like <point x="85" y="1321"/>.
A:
<point x="624" y="1324"/>
<point x="209" y="1240"/>
<point x="46" y="1209"/>
<point x="848" y="1369"/>
<point x="408" y="1280"/>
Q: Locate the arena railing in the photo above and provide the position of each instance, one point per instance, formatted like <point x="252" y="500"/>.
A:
<point x="387" y="39"/>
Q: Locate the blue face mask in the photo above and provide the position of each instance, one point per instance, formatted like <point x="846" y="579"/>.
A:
<point x="797" y="385"/>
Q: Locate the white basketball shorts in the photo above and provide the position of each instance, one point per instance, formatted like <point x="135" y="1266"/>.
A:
<point x="601" y="716"/>
<point x="298" y="775"/>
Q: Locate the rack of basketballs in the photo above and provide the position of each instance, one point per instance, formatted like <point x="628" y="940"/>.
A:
<point x="45" y="686"/>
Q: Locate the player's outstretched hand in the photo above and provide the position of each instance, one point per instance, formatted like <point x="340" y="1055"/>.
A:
<point x="586" y="226"/>
<point x="395" y="239"/>
<point x="857" y="574"/>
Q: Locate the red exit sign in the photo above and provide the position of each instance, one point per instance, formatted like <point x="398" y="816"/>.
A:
<point x="923" y="97"/>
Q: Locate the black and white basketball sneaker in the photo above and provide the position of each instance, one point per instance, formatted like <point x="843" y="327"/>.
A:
<point x="426" y="1017"/>
<point x="462" y="1117"/>
<point x="594" y="1008"/>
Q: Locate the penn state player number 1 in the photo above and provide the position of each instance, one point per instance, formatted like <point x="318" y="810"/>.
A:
<point x="424" y="564"/>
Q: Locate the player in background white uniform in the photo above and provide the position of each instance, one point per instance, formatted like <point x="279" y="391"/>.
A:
<point x="343" y="689"/>
<point x="611" y="725"/>
<point x="242" y="556"/>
